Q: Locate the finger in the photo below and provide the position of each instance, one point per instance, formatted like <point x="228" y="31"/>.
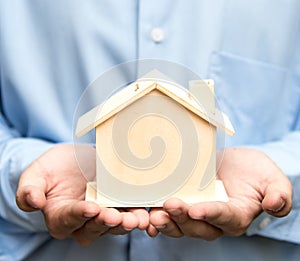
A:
<point x="216" y="213"/>
<point x="131" y="218"/>
<point x="64" y="221"/>
<point x="142" y="216"/>
<point x="229" y="218"/>
<point x="152" y="231"/>
<point x="32" y="187"/>
<point x="129" y="221"/>
<point x="162" y="222"/>
<point x="30" y="198"/>
<point x="112" y="219"/>
<point x="278" y="199"/>
<point x="178" y="211"/>
<point x="108" y="219"/>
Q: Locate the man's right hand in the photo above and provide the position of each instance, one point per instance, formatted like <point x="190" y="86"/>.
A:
<point x="55" y="185"/>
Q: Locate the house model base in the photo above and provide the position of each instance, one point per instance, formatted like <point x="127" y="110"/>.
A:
<point x="190" y="194"/>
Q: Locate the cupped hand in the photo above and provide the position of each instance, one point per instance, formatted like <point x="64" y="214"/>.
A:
<point x="253" y="183"/>
<point x="54" y="184"/>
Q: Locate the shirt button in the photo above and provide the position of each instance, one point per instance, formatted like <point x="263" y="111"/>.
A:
<point x="264" y="223"/>
<point x="157" y="35"/>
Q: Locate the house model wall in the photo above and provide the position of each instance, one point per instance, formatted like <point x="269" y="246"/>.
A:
<point x="155" y="140"/>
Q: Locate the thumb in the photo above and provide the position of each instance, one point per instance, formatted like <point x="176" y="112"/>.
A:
<point x="31" y="192"/>
<point x="278" y="199"/>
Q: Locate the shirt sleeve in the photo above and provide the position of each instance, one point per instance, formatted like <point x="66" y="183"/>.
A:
<point x="16" y="153"/>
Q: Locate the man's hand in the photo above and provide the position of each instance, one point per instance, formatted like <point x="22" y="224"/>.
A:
<point x="253" y="183"/>
<point x="55" y="185"/>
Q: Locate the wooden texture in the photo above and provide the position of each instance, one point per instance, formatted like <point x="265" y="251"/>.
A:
<point x="156" y="119"/>
<point x="131" y="93"/>
<point x="139" y="137"/>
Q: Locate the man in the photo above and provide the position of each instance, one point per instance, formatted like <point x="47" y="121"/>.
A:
<point x="51" y="52"/>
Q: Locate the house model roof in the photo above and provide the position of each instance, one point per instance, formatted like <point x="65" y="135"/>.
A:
<point x="143" y="86"/>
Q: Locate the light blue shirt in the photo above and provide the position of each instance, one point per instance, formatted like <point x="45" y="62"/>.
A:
<point x="50" y="52"/>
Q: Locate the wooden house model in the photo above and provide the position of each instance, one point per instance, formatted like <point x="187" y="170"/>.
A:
<point x="156" y="140"/>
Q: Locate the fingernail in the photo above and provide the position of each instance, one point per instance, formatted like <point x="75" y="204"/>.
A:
<point x="89" y="215"/>
<point x="127" y="229"/>
<point x="161" y="227"/>
<point x="278" y="209"/>
<point x="109" y="225"/>
<point x="198" y="218"/>
<point x="175" y="212"/>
